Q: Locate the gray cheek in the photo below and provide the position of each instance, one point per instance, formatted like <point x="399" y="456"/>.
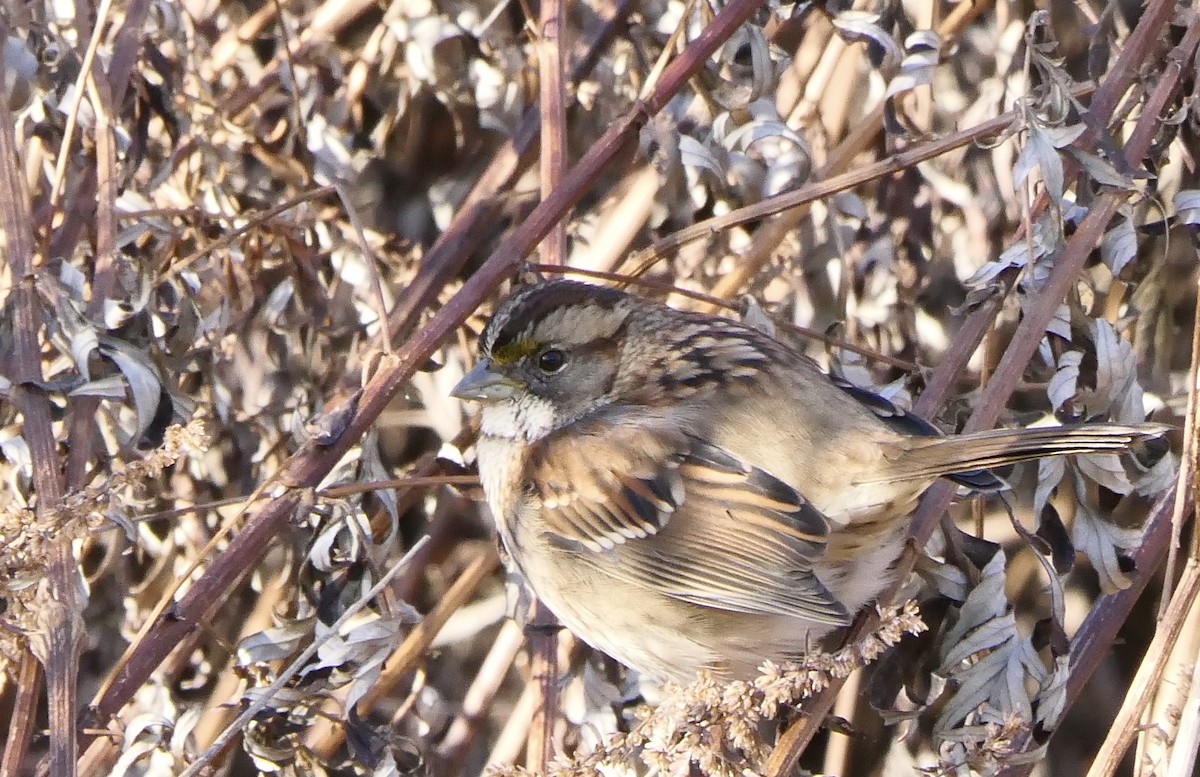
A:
<point x="600" y="377"/>
<point x="578" y="388"/>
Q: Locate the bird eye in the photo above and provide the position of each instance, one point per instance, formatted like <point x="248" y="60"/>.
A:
<point x="551" y="360"/>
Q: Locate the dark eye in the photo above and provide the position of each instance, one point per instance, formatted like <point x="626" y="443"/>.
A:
<point x="551" y="360"/>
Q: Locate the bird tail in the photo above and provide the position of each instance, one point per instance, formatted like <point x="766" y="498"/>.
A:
<point x="967" y="458"/>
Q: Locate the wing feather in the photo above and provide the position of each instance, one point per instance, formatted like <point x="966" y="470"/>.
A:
<point x="684" y="519"/>
<point x="906" y="423"/>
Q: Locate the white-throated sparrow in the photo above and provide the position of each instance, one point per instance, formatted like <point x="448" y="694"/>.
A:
<point x="684" y="491"/>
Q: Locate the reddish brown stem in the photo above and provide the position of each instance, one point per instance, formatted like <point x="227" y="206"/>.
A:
<point x="1024" y="342"/>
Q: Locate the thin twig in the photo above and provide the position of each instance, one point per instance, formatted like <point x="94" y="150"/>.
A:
<point x="1125" y="729"/>
<point x="24" y="715"/>
<point x="1187" y="467"/>
<point x="104" y="277"/>
<point x="61" y="608"/>
<point x="253" y="221"/>
<point x="452" y="750"/>
<point x="65" y="152"/>
<point x="1021" y="348"/>
<point x="326" y="739"/>
<point x="553" y="159"/>
<point x="264" y="698"/>
<point x="543" y="638"/>
<point x="81" y="195"/>
<point x="372" y="263"/>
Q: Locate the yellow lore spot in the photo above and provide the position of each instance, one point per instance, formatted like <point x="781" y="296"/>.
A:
<point x="510" y="353"/>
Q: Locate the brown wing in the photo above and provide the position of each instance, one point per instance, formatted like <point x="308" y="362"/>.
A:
<point x="599" y="502"/>
<point x="681" y="518"/>
<point x="898" y="420"/>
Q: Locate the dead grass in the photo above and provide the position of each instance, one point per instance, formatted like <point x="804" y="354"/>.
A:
<point x="247" y="249"/>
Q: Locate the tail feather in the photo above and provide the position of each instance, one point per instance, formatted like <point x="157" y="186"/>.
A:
<point x="970" y="455"/>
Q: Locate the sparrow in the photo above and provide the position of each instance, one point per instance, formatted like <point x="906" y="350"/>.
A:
<point x="685" y="492"/>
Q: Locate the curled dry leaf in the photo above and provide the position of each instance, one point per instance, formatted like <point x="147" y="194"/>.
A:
<point x="188" y="265"/>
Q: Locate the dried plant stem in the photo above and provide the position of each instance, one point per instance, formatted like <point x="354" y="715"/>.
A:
<point x="514" y="735"/>
<point x="65" y="150"/>
<point x="324" y="739"/>
<point x="865" y="131"/>
<point x="333" y="492"/>
<point x="669" y="49"/>
<point x="61" y="616"/>
<point x="226" y="49"/>
<point x="835" y="105"/>
<point x="1125" y="728"/>
<point x="349" y="489"/>
<point x="807" y="57"/>
<point x="553" y="159"/>
<point x="270" y="601"/>
<point x="330" y="18"/>
<point x="263" y="699"/>
<point x="922" y="96"/>
<point x="622" y="218"/>
<point x="1158" y="742"/>
<point x="57" y="643"/>
<point x="817" y="83"/>
<point x="1187" y="740"/>
<point x="80" y="196"/>
<point x="837" y="753"/>
<point x="830" y="181"/>
<point x="1024" y="342"/>
<point x="104" y="277"/>
<point x="1187" y="467"/>
<point x="360" y="73"/>
<point x="543" y="640"/>
<point x="24" y="715"/>
<point x="452" y="750"/>
<point x="372" y="263"/>
<point x="1176" y="606"/>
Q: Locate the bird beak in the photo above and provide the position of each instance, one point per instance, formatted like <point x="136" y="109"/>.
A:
<point x="484" y="384"/>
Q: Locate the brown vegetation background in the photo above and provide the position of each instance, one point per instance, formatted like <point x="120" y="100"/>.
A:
<point x="247" y="249"/>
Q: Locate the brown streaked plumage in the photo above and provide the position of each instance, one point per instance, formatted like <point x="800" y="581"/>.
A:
<point x="685" y="492"/>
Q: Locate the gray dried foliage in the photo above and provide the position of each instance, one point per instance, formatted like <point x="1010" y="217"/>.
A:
<point x="279" y="175"/>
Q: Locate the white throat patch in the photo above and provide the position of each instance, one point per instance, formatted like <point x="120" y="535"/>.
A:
<point x="529" y="419"/>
